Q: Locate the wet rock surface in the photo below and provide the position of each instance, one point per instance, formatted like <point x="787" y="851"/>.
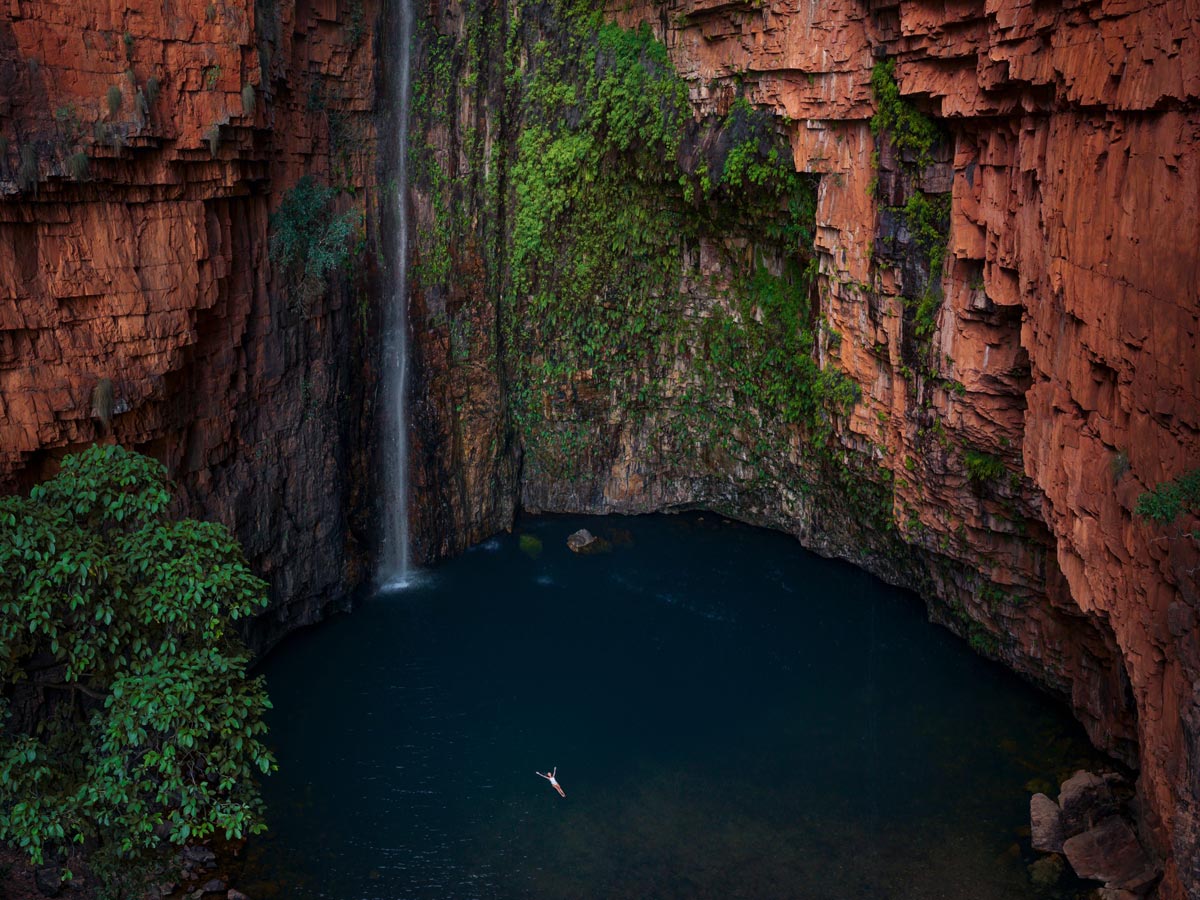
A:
<point x="581" y="540"/>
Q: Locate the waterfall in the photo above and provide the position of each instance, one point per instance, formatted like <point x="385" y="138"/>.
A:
<point x="395" y="569"/>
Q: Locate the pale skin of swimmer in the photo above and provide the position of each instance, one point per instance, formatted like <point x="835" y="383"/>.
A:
<point x="553" y="781"/>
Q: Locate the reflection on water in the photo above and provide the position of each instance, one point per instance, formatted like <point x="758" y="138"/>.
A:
<point x="730" y="717"/>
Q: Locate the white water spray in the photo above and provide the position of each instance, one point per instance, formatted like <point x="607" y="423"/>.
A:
<point x="395" y="567"/>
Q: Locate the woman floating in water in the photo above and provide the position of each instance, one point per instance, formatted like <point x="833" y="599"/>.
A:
<point x="553" y="781"/>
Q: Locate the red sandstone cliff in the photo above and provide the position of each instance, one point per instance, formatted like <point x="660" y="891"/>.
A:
<point x="1063" y="350"/>
<point x="1065" y="346"/>
<point x="1071" y="318"/>
<point x="144" y="148"/>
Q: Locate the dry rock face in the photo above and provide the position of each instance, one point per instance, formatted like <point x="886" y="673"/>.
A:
<point x="144" y="149"/>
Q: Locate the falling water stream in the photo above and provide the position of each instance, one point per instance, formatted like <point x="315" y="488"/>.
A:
<point x="395" y="566"/>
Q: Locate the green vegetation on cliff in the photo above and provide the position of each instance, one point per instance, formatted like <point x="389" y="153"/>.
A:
<point x="910" y="131"/>
<point x="913" y="136"/>
<point x="1171" y="499"/>
<point x="126" y="717"/>
<point x="617" y="192"/>
<point x="309" y="242"/>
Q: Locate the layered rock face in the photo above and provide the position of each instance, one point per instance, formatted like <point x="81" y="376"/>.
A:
<point x="1018" y="390"/>
<point x="144" y="150"/>
<point x="1014" y="392"/>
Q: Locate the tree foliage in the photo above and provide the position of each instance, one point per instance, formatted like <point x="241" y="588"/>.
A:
<point x="126" y="717"/>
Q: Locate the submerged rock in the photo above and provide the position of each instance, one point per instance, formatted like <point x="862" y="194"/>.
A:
<point x="1046" y="872"/>
<point x="531" y="545"/>
<point x="583" y="541"/>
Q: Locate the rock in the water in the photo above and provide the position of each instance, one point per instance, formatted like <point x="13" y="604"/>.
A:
<point x="1115" y="894"/>
<point x="1085" y="799"/>
<point x="48" y="880"/>
<point x="213" y="886"/>
<point x="235" y="894"/>
<point x="1110" y="852"/>
<point x="582" y="541"/>
<point x="1045" y="824"/>
<point x="1046" y="872"/>
<point x="196" y="854"/>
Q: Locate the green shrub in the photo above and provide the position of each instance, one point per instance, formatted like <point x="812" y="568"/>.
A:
<point x="114" y="99"/>
<point x="1171" y="499"/>
<point x="152" y="89"/>
<point x="1118" y="465"/>
<point x="69" y="125"/>
<point x="928" y="220"/>
<point x="79" y="166"/>
<point x="983" y="467"/>
<point x="309" y="242"/>
<point x="125" y="712"/>
<point x="909" y="128"/>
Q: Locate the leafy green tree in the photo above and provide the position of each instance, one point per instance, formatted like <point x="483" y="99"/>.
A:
<point x="126" y="717"/>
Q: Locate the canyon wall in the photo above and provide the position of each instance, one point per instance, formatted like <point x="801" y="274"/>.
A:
<point x="1020" y="378"/>
<point x="744" y="310"/>
<point x="144" y="150"/>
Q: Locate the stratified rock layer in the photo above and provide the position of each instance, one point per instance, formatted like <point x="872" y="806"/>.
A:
<point x="1064" y="349"/>
<point x="145" y="148"/>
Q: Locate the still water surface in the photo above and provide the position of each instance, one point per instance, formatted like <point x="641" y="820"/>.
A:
<point x="730" y="717"/>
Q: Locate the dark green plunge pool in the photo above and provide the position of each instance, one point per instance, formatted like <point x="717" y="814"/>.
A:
<point x="730" y="717"/>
